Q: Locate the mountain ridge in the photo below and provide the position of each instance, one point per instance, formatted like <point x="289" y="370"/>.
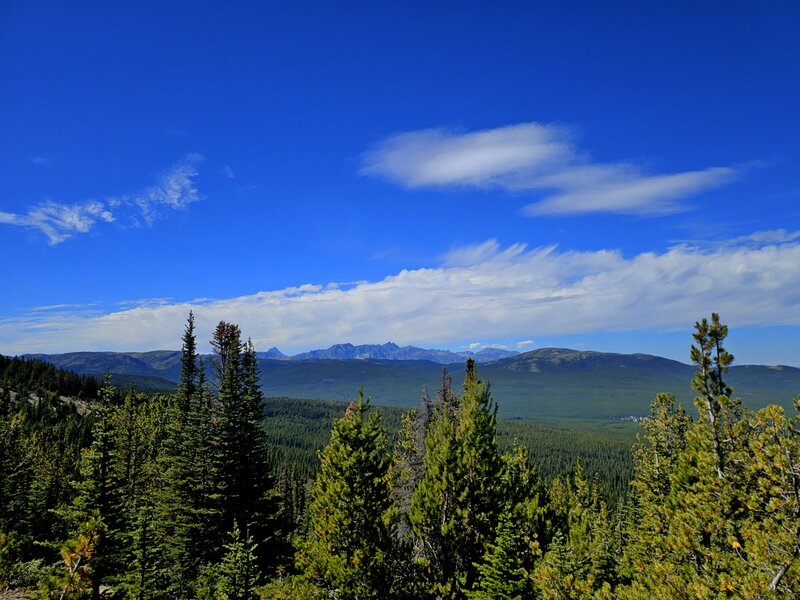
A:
<point x="539" y="360"/>
<point x="344" y="351"/>
<point x="541" y="383"/>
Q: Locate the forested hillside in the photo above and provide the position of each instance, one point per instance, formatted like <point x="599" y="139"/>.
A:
<point x="552" y="384"/>
<point x="26" y="377"/>
<point x="214" y="491"/>
<point x="296" y="429"/>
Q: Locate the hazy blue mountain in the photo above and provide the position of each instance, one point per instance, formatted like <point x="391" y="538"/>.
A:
<point x="488" y="354"/>
<point x="141" y="363"/>
<point x="272" y="353"/>
<point x="543" y="383"/>
<point x="160" y="363"/>
<point x="564" y="360"/>
<point x="391" y="351"/>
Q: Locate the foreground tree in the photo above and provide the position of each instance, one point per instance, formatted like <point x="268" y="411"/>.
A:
<point x="716" y="500"/>
<point x="213" y="474"/>
<point x="718" y="410"/>
<point x="349" y="549"/>
<point x="76" y="579"/>
<point x="99" y="496"/>
<point x="190" y="367"/>
<point x="242" y="456"/>
<point x="770" y="534"/>
<point x="656" y="459"/>
<point x="580" y="561"/>
<point x="455" y="508"/>
<point x="506" y="571"/>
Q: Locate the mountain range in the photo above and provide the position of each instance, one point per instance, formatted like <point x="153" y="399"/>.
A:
<point x="390" y="351"/>
<point x="544" y="383"/>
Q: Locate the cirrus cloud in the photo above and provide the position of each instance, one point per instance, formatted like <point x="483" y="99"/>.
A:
<point x="175" y="190"/>
<point x="60" y="221"/>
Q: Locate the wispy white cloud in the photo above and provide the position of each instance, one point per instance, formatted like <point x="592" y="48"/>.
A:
<point x="478" y="253"/>
<point x="228" y="172"/>
<point x="478" y="346"/>
<point x="757" y="238"/>
<point x="525" y="294"/>
<point x="175" y="190"/>
<point x="633" y="194"/>
<point x="505" y="156"/>
<point x="40" y="161"/>
<point x="58" y="307"/>
<point x="524" y="344"/>
<point x="535" y="157"/>
<point x="60" y="221"/>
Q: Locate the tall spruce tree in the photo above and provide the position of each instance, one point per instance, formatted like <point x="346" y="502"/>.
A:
<point x="245" y="477"/>
<point x="98" y="496"/>
<point x="231" y="467"/>
<point x="187" y="530"/>
<point x="199" y="531"/>
<point x="349" y="548"/>
<point x="506" y="569"/>
<point x="187" y="384"/>
<point x="455" y="508"/>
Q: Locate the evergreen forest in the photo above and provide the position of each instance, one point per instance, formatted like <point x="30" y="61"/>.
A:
<point x="215" y="492"/>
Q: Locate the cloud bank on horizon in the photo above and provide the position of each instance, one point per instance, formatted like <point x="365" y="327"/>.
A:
<point x="535" y="157"/>
<point x="478" y="292"/>
<point x="175" y="190"/>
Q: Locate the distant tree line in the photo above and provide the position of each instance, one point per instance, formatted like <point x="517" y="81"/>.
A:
<point x="187" y="496"/>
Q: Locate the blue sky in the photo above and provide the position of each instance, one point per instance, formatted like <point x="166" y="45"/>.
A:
<point x="595" y="175"/>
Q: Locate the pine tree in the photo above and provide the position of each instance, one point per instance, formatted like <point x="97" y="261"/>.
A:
<point x="455" y="507"/>
<point x="79" y="561"/>
<point x="199" y="529"/>
<point x="446" y="399"/>
<point x="716" y="500"/>
<point x="408" y="464"/>
<point x="99" y="493"/>
<point x="580" y="561"/>
<point x="239" y="576"/>
<point x="158" y="567"/>
<point x="705" y="499"/>
<point x="213" y="471"/>
<point x="768" y="548"/>
<point x="714" y="403"/>
<point x="432" y="511"/>
<point x="656" y="458"/>
<point x="226" y="342"/>
<point x="506" y="570"/>
<point x="186" y="504"/>
<point x="231" y="466"/>
<point x="502" y="575"/>
<point x="349" y="549"/>
<point x="242" y="465"/>
<point x="16" y="474"/>
<point x="145" y="576"/>
<point x="256" y="505"/>
<point x="187" y="385"/>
